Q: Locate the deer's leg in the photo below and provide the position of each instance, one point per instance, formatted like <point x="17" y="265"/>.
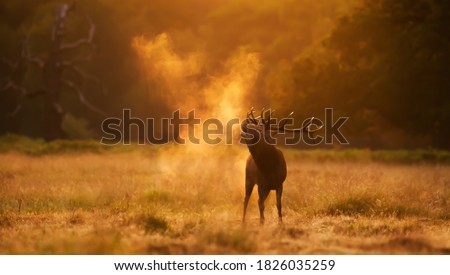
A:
<point x="263" y="193"/>
<point x="249" y="184"/>
<point x="279" y="193"/>
<point x="250" y="181"/>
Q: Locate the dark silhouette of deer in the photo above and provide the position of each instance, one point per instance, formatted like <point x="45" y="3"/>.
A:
<point x="266" y="165"/>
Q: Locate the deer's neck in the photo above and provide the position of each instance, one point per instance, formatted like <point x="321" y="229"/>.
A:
<point x="270" y="162"/>
<point x="263" y="153"/>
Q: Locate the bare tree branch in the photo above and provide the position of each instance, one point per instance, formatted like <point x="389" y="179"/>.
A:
<point x="36" y="60"/>
<point x="16" y="110"/>
<point x="22" y="99"/>
<point x="10" y="85"/>
<point x="87" y="76"/>
<point x="61" y="14"/>
<point x="57" y="106"/>
<point x="14" y="66"/>
<point x="81" y="97"/>
<point x="10" y="63"/>
<point x="24" y="93"/>
<point x="73" y="61"/>
<point x="28" y="56"/>
<point x="51" y="68"/>
<point x="86" y="40"/>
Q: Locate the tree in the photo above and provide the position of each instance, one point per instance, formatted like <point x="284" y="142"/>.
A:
<point x="385" y="64"/>
<point x="52" y="68"/>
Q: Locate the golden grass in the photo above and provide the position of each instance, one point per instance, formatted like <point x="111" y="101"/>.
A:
<point x="188" y="200"/>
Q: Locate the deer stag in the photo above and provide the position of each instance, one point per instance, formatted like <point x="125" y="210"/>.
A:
<point x="266" y="165"/>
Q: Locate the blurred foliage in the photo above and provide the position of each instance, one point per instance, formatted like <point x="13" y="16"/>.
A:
<point x="385" y="66"/>
<point x="219" y="27"/>
<point x="382" y="63"/>
<point x="15" y="143"/>
<point x="76" y="128"/>
<point x="364" y="155"/>
<point x="38" y="147"/>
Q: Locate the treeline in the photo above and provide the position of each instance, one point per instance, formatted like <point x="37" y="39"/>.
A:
<point x="386" y="66"/>
<point x="11" y="143"/>
<point x="382" y="63"/>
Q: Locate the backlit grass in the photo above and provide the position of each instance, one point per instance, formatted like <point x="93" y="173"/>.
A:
<point x="188" y="200"/>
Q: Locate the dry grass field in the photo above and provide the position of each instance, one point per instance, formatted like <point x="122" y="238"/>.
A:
<point x="188" y="200"/>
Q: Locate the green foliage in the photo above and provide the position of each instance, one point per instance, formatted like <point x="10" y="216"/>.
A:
<point x="38" y="147"/>
<point x="366" y="155"/>
<point x="411" y="156"/>
<point x="15" y="143"/>
<point x="76" y="128"/>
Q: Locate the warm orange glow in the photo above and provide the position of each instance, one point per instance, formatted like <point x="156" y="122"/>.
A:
<point x="185" y="84"/>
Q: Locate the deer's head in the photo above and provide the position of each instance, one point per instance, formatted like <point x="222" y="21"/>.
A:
<point x="264" y="129"/>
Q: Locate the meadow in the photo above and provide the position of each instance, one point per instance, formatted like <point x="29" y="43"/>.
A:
<point x="77" y="197"/>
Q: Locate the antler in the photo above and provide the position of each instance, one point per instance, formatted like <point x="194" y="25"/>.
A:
<point x="262" y="116"/>
<point x="264" y="123"/>
<point x="284" y="121"/>
<point x="281" y="126"/>
<point x="305" y="129"/>
<point x="251" y="117"/>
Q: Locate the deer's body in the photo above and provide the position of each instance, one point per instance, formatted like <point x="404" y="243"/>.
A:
<point x="266" y="166"/>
